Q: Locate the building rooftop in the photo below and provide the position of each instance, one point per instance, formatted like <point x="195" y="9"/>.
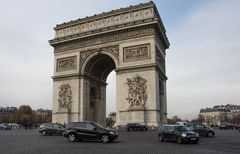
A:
<point x="221" y="108"/>
<point x="8" y="109"/>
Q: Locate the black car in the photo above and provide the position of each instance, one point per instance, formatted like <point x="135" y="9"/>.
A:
<point x="51" y="128"/>
<point x="88" y="130"/>
<point x="203" y="130"/>
<point x="177" y="133"/>
<point x="136" y="126"/>
<point x="5" y="126"/>
<point x="226" y="126"/>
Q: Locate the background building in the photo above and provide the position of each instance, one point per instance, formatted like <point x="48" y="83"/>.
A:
<point x="6" y="112"/>
<point x="221" y="113"/>
<point x="42" y="115"/>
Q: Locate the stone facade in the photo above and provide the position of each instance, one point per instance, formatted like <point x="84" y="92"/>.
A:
<point x="221" y="113"/>
<point x="6" y="112"/>
<point x="131" y="41"/>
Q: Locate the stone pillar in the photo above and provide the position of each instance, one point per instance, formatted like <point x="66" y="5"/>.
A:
<point x="165" y="102"/>
<point x="102" y="106"/>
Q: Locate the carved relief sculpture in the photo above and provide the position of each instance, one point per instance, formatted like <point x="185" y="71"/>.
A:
<point x="137" y="92"/>
<point x="65" y="97"/>
<point x="68" y="63"/>
<point x="136" y="53"/>
<point x="100" y="23"/>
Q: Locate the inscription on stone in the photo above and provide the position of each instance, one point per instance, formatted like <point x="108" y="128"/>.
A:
<point x="136" y="53"/>
<point x="68" y="63"/>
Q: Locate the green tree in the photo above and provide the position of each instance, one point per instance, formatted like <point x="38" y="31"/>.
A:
<point x="25" y="114"/>
<point x="24" y="118"/>
<point x="173" y="120"/>
<point x="199" y="119"/>
<point x="13" y="118"/>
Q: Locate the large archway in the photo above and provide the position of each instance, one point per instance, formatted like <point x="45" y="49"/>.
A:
<point x="96" y="70"/>
<point x="133" y="42"/>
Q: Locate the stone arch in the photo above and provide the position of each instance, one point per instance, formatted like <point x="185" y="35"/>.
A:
<point x="95" y="68"/>
<point x="95" y="54"/>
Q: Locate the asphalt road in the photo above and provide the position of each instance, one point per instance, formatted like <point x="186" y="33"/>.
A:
<point x="29" y="141"/>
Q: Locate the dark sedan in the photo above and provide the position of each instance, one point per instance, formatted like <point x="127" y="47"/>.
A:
<point x="226" y="126"/>
<point x="203" y="130"/>
<point x="51" y="128"/>
<point x="177" y="133"/>
<point x="136" y="126"/>
<point x="88" y="130"/>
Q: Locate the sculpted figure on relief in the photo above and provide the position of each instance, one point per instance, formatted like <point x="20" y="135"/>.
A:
<point x="136" y="91"/>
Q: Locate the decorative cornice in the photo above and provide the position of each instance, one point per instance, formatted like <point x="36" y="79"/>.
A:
<point x="104" y="15"/>
<point x="103" y="31"/>
<point x="77" y="76"/>
<point x="104" y="38"/>
<point x="146" y="66"/>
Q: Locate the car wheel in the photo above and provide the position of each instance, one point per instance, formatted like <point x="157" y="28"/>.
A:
<point x="195" y="142"/>
<point x="72" y="137"/>
<point x="44" y="133"/>
<point x="105" y="138"/>
<point x="210" y="134"/>
<point x="160" y="137"/>
<point x="130" y="129"/>
<point x="179" y="140"/>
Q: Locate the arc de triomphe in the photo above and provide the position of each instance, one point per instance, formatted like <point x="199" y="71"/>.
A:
<point x="132" y="41"/>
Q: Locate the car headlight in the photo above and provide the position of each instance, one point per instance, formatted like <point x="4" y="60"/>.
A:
<point x="197" y="134"/>
<point x="184" y="135"/>
<point x="112" y="133"/>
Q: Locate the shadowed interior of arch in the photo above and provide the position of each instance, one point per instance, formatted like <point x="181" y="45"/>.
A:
<point x="100" y="66"/>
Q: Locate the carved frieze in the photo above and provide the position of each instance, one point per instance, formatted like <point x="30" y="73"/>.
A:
<point x="111" y="37"/>
<point x="137" y="95"/>
<point x="67" y="63"/>
<point x="135" y="53"/>
<point x="106" y="22"/>
<point x="64" y="98"/>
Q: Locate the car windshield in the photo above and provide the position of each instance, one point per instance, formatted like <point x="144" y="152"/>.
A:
<point x="98" y="125"/>
<point x="180" y="128"/>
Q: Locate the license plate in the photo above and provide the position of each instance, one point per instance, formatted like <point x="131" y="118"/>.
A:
<point x="193" y="139"/>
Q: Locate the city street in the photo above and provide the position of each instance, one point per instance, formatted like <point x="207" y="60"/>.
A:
<point x="29" y="141"/>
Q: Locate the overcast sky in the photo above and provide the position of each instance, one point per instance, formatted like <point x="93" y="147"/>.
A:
<point x="203" y="61"/>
